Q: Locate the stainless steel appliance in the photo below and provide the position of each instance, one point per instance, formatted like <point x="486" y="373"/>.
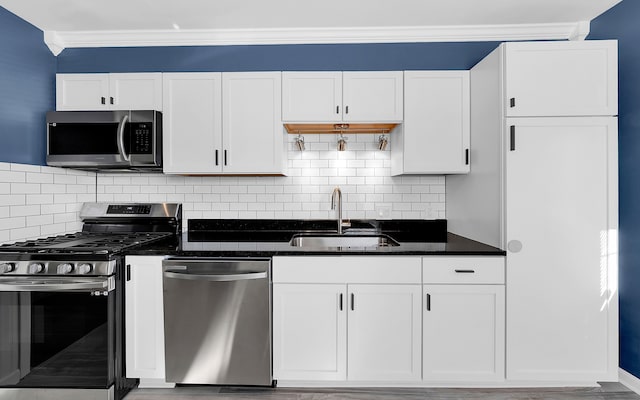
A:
<point x="217" y="321"/>
<point x="62" y="304"/>
<point x="96" y="140"/>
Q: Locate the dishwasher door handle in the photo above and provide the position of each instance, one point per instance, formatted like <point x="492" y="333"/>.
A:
<point x="215" y="278"/>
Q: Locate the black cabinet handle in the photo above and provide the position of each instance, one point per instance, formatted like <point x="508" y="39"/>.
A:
<point x="337" y="109"/>
<point x="512" y="102"/>
<point x="346" y="109"/>
<point x="111" y="100"/>
<point x="466" y="157"/>
<point x="512" y="145"/>
<point x="128" y="272"/>
<point x="103" y="100"/>
<point x="225" y="157"/>
<point x="353" y="298"/>
<point x="216" y="157"/>
<point x="465" y="271"/>
<point x="428" y="302"/>
<point x="340" y="301"/>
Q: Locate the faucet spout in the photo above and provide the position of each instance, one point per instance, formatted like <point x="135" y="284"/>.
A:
<point x="336" y="200"/>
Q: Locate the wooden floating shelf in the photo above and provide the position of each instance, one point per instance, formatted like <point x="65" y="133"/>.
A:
<point x="300" y="129"/>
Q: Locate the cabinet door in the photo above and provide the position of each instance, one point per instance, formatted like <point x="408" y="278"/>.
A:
<point x="561" y="225"/>
<point x="561" y="78"/>
<point x="253" y="134"/>
<point x="384" y="342"/>
<point x="82" y="92"/>
<point x="144" y="318"/>
<point x="192" y="132"/>
<point x="309" y="332"/>
<point x="311" y="96"/>
<point x="372" y="96"/>
<point x="436" y="129"/>
<point x="463" y="333"/>
<point x="135" y="91"/>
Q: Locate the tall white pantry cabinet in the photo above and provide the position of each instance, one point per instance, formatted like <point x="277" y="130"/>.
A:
<point x="543" y="186"/>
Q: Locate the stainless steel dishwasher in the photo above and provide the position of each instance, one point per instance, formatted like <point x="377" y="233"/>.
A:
<point x="217" y="315"/>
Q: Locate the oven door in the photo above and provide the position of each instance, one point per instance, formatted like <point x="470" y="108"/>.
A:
<point x="57" y="332"/>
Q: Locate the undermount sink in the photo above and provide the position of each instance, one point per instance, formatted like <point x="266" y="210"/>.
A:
<point x="341" y="241"/>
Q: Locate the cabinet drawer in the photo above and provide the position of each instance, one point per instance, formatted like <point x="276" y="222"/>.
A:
<point x="347" y="269"/>
<point x="456" y="270"/>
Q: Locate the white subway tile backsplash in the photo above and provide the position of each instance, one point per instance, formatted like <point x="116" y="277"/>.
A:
<point x="39" y="220"/>
<point x="22" y="233"/>
<point x="35" y="197"/>
<point x="52" y="188"/>
<point x="14" y="222"/>
<point x="12" y="176"/>
<point x="12" y="199"/>
<point x="22" y="211"/>
<point x="65" y="179"/>
<point x="39" y="200"/>
<point x="38" y="177"/>
<point x="25" y="167"/>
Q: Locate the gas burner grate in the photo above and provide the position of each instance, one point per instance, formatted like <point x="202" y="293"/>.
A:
<point x="85" y="243"/>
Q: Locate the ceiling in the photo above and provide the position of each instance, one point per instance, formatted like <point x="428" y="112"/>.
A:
<point x="261" y="21"/>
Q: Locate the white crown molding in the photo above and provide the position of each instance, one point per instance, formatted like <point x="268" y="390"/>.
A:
<point x="59" y="40"/>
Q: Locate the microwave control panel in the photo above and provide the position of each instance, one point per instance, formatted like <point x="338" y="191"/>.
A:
<point x="141" y="140"/>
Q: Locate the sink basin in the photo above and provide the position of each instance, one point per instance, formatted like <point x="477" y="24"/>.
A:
<point x="341" y="241"/>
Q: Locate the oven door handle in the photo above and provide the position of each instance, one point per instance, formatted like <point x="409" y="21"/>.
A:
<point x="57" y="285"/>
<point x="121" y="126"/>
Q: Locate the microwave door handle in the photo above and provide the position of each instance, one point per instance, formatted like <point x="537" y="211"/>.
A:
<point x="121" y="137"/>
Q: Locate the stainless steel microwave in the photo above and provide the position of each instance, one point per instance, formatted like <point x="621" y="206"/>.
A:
<point x="105" y="140"/>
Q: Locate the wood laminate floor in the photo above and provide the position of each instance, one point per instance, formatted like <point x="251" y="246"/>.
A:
<point x="607" y="391"/>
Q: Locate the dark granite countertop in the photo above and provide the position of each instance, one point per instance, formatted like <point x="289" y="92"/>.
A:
<point x="262" y="238"/>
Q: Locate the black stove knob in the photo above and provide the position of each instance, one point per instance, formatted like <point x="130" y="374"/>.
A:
<point x="65" y="268"/>
<point x="35" y="268"/>
<point x="7" y="267"/>
<point x="84" y="268"/>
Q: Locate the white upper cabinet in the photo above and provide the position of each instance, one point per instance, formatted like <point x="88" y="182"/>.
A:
<point x="135" y="91"/>
<point x="94" y="92"/>
<point x="342" y="96"/>
<point x="435" y="135"/>
<point x="82" y="92"/>
<point x="561" y="78"/>
<point x="312" y="96"/>
<point x="192" y="131"/>
<point x="253" y="135"/>
<point x="217" y="123"/>
<point x="372" y="96"/>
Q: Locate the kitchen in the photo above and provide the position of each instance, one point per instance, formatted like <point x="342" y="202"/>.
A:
<point x="313" y="191"/>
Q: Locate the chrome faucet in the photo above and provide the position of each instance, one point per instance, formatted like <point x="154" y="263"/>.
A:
<point x="337" y="193"/>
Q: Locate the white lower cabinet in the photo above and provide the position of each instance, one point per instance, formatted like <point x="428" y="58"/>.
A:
<point x="347" y="318"/>
<point x="384" y="333"/>
<point x="371" y="320"/>
<point x="309" y="331"/>
<point x="144" y="321"/>
<point x="463" y="333"/>
<point x="463" y="319"/>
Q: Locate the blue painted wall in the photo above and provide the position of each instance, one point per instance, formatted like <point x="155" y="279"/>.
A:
<point x="316" y="57"/>
<point x="27" y="90"/>
<point x="621" y="22"/>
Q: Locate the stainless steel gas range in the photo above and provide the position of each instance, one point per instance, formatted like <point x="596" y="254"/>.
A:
<point x="62" y="303"/>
